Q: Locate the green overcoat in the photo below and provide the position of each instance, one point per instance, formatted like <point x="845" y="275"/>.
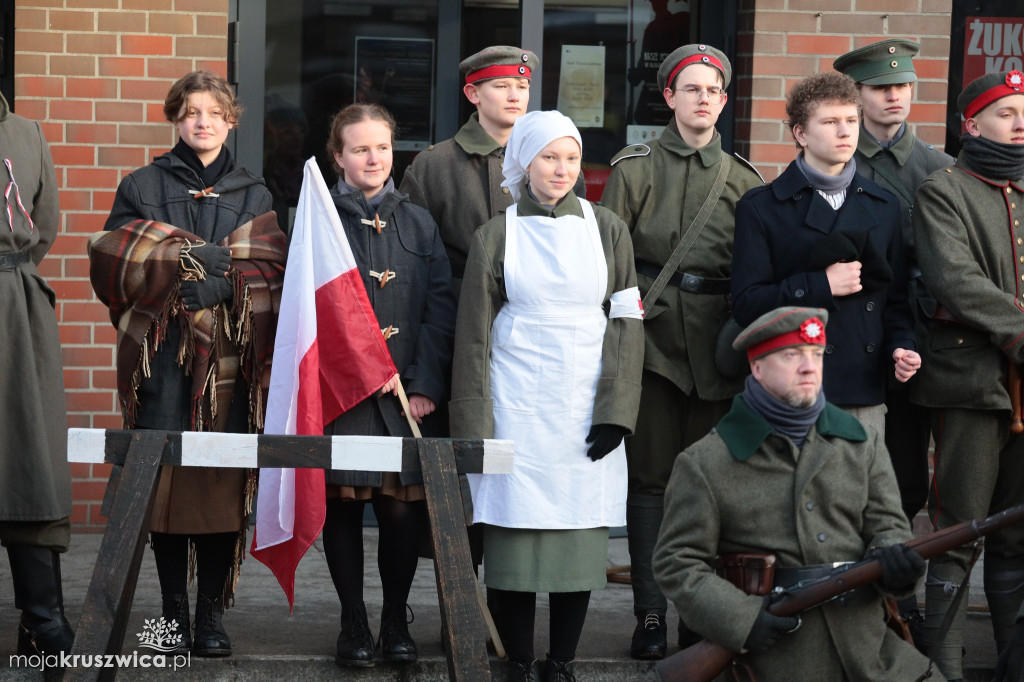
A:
<point x="657" y="190"/>
<point x="900" y="169"/>
<point x="35" y="479"/>
<point x="483" y="294"/>
<point x="970" y="248"/>
<point x="745" y="488"/>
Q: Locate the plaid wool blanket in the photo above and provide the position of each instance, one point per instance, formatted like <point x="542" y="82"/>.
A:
<point x="136" y="272"/>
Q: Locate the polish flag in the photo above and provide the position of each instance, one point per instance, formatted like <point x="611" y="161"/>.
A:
<point x="329" y="355"/>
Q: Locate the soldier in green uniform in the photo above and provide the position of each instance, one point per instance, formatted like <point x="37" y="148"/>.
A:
<point x="892" y="156"/>
<point x="459" y="180"/>
<point x="789" y="474"/>
<point x="970" y="247"/>
<point x="658" y="190"/>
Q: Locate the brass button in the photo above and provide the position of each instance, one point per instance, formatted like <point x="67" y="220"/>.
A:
<point x="1009" y="190"/>
<point x="1020" y="241"/>
<point x="1016" y="223"/>
<point x="1022" y="259"/>
<point x="960" y="341"/>
<point x="504" y="190"/>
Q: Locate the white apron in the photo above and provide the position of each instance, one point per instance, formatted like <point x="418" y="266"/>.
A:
<point x="545" y="363"/>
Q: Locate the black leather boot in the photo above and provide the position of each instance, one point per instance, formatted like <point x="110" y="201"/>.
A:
<point x="176" y="610"/>
<point x="559" y="671"/>
<point x="394" y="641"/>
<point x="210" y="639"/>
<point x="650" y="639"/>
<point x="355" y="643"/>
<point x="38" y="595"/>
<point x="522" y="671"/>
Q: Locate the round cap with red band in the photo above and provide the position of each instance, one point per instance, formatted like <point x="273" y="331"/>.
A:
<point x="987" y="89"/>
<point x="783" y="328"/>
<point x="686" y="55"/>
<point x="499" y="61"/>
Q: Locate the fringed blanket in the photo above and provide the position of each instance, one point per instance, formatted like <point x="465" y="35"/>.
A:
<point x="136" y="272"/>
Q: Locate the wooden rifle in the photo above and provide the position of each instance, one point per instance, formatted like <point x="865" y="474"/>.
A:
<point x="706" y="660"/>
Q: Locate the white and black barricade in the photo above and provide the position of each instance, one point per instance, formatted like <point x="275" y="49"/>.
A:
<point x="128" y="504"/>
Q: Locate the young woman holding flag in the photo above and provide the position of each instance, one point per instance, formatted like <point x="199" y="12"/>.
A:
<point x="405" y="270"/>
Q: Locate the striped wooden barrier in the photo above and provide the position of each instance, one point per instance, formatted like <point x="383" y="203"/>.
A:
<point x="129" y="501"/>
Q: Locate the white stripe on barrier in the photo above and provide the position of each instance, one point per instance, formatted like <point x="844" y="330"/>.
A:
<point x="366" y="453"/>
<point x="86" y="446"/>
<point x="205" y="449"/>
<point x="497" y="457"/>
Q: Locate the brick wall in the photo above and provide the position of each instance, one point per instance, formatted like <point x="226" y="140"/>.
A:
<point x="782" y="41"/>
<point x="95" y="74"/>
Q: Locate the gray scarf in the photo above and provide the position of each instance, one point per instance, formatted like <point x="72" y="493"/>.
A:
<point x="374" y="201"/>
<point x="829" y="184"/>
<point x="994" y="160"/>
<point x="792" y="422"/>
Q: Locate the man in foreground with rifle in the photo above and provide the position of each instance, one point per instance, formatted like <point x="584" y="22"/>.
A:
<point x="787" y="474"/>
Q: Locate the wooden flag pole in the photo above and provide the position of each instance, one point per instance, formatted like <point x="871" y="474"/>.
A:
<point x="491" y="628"/>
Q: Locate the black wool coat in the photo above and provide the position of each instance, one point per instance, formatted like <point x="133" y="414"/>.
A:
<point x="779" y="229"/>
<point x="417" y="301"/>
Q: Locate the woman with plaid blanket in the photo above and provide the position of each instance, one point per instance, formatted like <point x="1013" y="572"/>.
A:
<point x="191" y="264"/>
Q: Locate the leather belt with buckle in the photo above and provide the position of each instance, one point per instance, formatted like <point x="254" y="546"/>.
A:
<point x="9" y="261"/>
<point x="695" y="284"/>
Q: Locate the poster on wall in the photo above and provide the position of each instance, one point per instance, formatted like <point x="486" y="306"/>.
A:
<point x="398" y="74"/>
<point x="989" y="34"/>
<point x="581" y="85"/>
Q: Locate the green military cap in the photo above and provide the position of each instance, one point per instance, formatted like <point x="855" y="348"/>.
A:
<point x="683" y="56"/>
<point x="987" y="89"/>
<point x="782" y="328"/>
<point x="885" y="63"/>
<point x="498" y="61"/>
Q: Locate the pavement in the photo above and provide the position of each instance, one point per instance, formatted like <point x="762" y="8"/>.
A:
<point x="271" y="644"/>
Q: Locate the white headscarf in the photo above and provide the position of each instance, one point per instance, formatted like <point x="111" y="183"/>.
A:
<point x="530" y="134"/>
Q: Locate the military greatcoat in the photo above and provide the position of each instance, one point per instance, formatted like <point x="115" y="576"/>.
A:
<point x="657" y="190"/>
<point x="35" y="480"/>
<point x="745" y="488"/>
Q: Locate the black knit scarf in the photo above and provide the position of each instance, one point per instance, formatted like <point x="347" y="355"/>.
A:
<point x="792" y="422"/>
<point x="994" y="160"/>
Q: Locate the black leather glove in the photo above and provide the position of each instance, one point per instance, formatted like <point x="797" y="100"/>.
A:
<point x="769" y="629"/>
<point x="207" y="293"/>
<point x="1010" y="667"/>
<point x="901" y="567"/>
<point x="213" y="258"/>
<point x="604" y="438"/>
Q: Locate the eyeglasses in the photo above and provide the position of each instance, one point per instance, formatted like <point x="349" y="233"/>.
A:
<point x="694" y="94"/>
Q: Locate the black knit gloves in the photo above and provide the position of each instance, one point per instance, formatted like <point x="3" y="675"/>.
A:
<point x="902" y="567"/>
<point x="604" y="438"/>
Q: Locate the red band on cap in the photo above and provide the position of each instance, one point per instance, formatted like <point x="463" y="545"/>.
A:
<point x="499" y="71"/>
<point x="1013" y="85"/>
<point x="708" y="59"/>
<point x="812" y="331"/>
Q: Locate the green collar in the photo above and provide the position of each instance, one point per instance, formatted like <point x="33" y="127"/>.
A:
<point x="569" y="205"/>
<point x="743" y="430"/>
<point x="474" y="139"/>
<point x="709" y="154"/>
<point x="901" y="151"/>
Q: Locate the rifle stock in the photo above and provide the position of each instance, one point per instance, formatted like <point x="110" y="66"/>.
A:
<point x="704" y="661"/>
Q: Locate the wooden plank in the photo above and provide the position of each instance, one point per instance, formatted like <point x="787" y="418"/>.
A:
<point x="108" y="602"/>
<point x="355" y="453"/>
<point x="456" y="583"/>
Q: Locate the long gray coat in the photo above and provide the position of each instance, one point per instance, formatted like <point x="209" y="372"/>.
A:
<point x="35" y="480"/>
<point x="745" y="488"/>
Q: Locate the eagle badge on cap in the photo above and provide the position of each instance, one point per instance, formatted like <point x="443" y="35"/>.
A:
<point x="811" y="330"/>
<point x="1015" y="79"/>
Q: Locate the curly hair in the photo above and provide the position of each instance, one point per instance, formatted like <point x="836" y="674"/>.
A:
<point x="201" y="81"/>
<point x="350" y="115"/>
<point x="831" y="87"/>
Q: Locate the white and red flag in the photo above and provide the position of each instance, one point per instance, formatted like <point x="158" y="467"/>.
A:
<point x="329" y="355"/>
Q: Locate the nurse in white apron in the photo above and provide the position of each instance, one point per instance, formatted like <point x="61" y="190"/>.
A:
<point x="548" y="353"/>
